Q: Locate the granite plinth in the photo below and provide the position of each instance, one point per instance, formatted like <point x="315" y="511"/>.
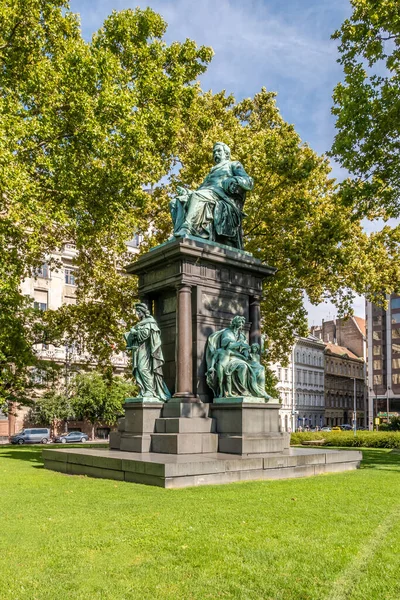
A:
<point x="179" y="471"/>
<point x="248" y="427"/>
<point x="171" y="428"/>
<point x="239" y="400"/>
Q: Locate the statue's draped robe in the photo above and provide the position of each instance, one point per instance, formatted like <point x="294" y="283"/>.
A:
<point x="246" y="381"/>
<point x="148" y="358"/>
<point x="214" y="211"/>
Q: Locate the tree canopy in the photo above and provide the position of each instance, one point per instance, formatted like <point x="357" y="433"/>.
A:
<point x="96" y="136"/>
<point x="367" y="107"/>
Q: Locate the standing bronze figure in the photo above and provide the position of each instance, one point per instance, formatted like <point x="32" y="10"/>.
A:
<point x="144" y="340"/>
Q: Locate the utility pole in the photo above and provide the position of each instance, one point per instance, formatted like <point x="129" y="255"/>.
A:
<point x="355" y="408"/>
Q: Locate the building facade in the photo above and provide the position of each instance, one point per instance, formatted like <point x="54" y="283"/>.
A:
<point x="301" y="385"/>
<point x="383" y="359"/>
<point x="345" y="370"/>
<point x="344" y="387"/>
<point x="50" y="288"/>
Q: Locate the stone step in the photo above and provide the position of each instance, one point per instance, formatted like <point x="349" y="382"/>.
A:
<point x="135" y="443"/>
<point x="175" y="408"/>
<point x="251" y="444"/>
<point x="184" y="443"/>
<point x="185" y="425"/>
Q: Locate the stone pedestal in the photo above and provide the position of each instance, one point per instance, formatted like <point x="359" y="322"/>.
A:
<point x="194" y="288"/>
<point x="135" y="429"/>
<point x="177" y="427"/>
<point x="248" y="427"/>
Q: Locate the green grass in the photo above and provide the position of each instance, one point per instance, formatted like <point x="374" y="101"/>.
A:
<point x="332" y="537"/>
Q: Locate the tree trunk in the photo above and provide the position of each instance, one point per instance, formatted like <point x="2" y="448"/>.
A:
<point x="92" y="437"/>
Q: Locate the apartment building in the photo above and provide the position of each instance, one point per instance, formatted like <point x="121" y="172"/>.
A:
<point x="383" y="359"/>
<point x="301" y="385"/>
<point x="50" y="288"/>
<point x="345" y="370"/>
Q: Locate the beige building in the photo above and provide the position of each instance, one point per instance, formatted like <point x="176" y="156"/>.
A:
<point x="49" y="289"/>
<point x="301" y="385"/>
<point x="345" y="370"/>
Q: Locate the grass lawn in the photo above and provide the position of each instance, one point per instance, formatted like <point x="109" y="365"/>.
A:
<point x="331" y="537"/>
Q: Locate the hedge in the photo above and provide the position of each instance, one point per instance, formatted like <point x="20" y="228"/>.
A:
<point x="366" y="439"/>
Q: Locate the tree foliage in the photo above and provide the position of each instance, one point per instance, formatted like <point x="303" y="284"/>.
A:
<point x="53" y="406"/>
<point x="367" y="107"/>
<point x="88" y="129"/>
<point x="98" y="400"/>
<point x="84" y="128"/>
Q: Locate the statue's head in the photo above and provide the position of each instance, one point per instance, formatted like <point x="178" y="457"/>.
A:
<point x="221" y="152"/>
<point x="142" y="310"/>
<point x="255" y="348"/>
<point x="238" y="322"/>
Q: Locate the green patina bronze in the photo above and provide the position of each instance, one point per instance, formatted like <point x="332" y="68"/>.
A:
<point x="215" y="210"/>
<point x="144" y="341"/>
<point x="233" y="366"/>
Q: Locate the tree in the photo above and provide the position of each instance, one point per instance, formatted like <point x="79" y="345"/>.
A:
<point x="84" y="127"/>
<point x="98" y="400"/>
<point x="88" y="129"/>
<point x="293" y="222"/>
<point x="50" y="408"/>
<point x="367" y="107"/>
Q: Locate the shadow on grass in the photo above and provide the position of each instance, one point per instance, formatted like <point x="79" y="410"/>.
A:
<point x="33" y="453"/>
<point x="378" y="459"/>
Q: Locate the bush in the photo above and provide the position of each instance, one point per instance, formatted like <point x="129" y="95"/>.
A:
<point x="365" y="439"/>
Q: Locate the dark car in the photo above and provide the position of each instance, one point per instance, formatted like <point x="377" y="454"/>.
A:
<point x="31" y="436"/>
<point x="346" y="428"/>
<point x="72" y="437"/>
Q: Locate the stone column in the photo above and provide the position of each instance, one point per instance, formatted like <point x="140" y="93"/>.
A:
<point x="184" y="358"/>
<point x="255" y="318"/>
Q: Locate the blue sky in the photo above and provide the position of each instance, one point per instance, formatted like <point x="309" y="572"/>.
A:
<point x="283" y="45"/>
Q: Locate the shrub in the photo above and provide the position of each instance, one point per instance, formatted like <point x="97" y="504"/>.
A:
<point x="366" y="439"/>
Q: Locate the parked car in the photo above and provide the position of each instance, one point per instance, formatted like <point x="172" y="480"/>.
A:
<point x="326" y="429"/>
<point x="346" y="428"/>
<point x="31" y="436"/>
<point x="336" y="428"/>
<point x="72" y="437"/>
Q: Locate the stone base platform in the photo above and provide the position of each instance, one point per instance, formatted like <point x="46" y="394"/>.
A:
<point x="179" y="471"/>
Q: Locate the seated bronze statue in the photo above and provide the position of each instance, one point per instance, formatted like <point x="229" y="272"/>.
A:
<point x="233" y="366"/>
<point x="215" y="210"/>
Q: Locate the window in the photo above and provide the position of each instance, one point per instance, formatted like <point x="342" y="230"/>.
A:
<point x="377" y="335"/>
<point x="377" y="320"/>
<point x="377" y="351"/>
<point x="43" y="271"/>
<point x="40" y="300"/>
<point x="320" y="361"/>
<point x="69" y="276"/>
<point x="38" y="377"/>
<point x="286" y="374"/>
<point x="297" y="357"/>
<point x="377" y="365"/>
<point x="396" y="333"/>
<point x="395" y="302"/>
<point x="279" y="373"/>
<point x="396" y="363"/>
<point x="377" y="379"/>
<point x="396" y="378"/>
<point x="396" y="318"/>
<point x="396" y="348"/>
